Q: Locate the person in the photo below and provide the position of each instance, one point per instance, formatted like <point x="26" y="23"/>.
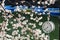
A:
<point x="55" y="4"/>
<point x="23" y="2"/>
<point x="34" y="2"/>
<point x="39" y="3"/>
<point x="45" y="9"/>
<point x="52" y="1"/>
<point x="45" y="3"/>
<point x="2" y="5"/>
<point x="17" y="9"/>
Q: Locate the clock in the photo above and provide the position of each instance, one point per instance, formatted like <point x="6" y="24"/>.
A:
<point x="48" y="26"/>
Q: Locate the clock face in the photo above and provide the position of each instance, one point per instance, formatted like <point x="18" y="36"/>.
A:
<point x="48" y="27"/>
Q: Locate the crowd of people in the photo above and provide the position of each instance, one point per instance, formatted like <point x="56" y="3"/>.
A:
<point x="22" y="24"/>
<point x="21" y="29"/>
<point x="49" y="3"/>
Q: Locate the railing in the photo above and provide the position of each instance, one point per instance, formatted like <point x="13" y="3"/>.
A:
<point x="36" y="9"/>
